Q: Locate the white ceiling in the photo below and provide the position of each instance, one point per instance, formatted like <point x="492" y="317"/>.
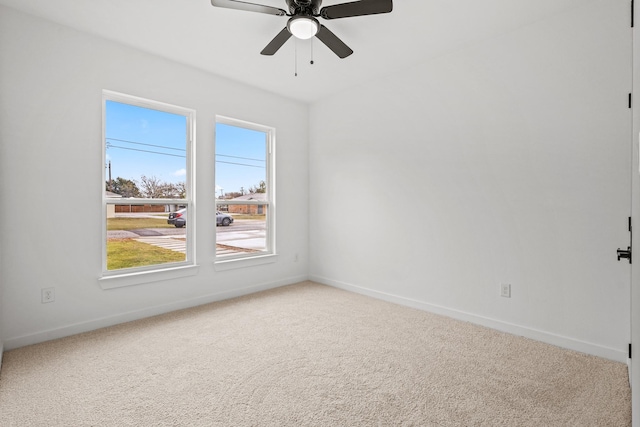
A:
<point x="228" y="42"/>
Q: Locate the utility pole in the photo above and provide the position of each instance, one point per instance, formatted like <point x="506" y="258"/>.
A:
<point x="110" y="181"/>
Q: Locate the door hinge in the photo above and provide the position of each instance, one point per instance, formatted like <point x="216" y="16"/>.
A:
<point x="629" y="350"/>
<point x="626" y="253"/>
<point x="630" y="105"/>
<point x="632" y="13"/>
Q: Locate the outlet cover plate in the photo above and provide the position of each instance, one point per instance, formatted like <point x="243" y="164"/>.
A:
<point x="505" y="290"/>
<point x="48" y="295"/>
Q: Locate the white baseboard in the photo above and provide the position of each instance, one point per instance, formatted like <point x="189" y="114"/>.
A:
<point x="90" y="325"/>
<point x="546" y="337"/>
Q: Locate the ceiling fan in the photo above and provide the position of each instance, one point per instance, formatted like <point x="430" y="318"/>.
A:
<point x="303" y="23"/>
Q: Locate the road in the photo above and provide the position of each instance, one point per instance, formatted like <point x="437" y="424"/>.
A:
<point x="241" y="236"/>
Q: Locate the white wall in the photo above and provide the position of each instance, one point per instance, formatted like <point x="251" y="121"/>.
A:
<point x="51" y="82"/>
<point x="506" y="161"/>
<point x="635" y="283"/>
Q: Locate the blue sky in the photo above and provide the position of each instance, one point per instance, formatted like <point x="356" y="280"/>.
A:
<point x="240" y="158"/>
<point x="142" y="141"/>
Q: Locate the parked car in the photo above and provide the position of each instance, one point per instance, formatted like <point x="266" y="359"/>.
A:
<point x="179" y="218"/>
<point x="223" y="218"/>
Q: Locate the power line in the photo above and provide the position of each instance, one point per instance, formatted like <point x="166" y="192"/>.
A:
<point x="144" y="151"/>
<point x="240" y="164"/>
<point x="148" y="145"/>
<point x="244" y="158"/>
<point x="110" y="145"/>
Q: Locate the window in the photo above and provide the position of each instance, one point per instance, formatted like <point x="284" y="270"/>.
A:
<point x="148" y="208"/>
<point x="245" y="207"/>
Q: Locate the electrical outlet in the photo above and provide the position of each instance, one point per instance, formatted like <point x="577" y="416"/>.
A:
<point x="48" y="295"/>
<point x="505" y="290"/>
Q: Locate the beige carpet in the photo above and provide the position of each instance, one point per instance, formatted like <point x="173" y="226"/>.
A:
<point x="307" y="355"/>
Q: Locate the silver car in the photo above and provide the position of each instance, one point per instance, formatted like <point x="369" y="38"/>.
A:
<point x="179" y="218"/>
<point x="223" y="218"/>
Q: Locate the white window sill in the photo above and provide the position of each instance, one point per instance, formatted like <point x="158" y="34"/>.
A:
<point x="230" y="264"/>
<point x="138" y="278"/>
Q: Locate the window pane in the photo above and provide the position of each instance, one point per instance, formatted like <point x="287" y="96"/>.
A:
<point x="146" y="160"/>
<point x="242" y="190"/>
<point x="241" y="163"/>
<point x="241" y="229"/>
<point x="146" y="152"/>
<point x="139" y="236"/>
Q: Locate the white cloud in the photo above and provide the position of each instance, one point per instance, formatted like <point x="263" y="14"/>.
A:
<point x="180" y="172"/>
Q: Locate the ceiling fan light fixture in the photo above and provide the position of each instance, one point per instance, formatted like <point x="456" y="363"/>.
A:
<point x="303" y="27"/>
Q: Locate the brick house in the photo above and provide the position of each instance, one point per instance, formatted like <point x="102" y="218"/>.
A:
<point x="250" y="209"/>
<point x="111" y="209"/>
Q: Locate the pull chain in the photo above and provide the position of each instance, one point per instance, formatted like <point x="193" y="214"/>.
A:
<point x="311" y="41"/>
<point x="295" y="57"/>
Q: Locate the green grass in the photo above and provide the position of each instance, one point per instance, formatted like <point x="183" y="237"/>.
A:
<point x="135" y="223"/>
<point x="127" y="253"/>
<point x="248" y="216"/>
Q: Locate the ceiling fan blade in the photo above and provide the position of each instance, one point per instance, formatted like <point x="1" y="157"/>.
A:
<point x="356" y="8"/>
<point x="251" y="7"/>
<point x="277" y="42"/>
<point x="333" y="42"/>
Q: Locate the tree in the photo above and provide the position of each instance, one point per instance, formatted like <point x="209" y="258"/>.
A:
<point x="173" y="191"/>
<point x="124" y="187"/>
<point x="233" y="195"/>
<point x="153" y="188"/>
<point x="260" y="188"/>
<point x="180" y="190"/>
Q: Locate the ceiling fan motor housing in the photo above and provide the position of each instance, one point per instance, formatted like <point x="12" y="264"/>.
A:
<point x="304" y="7"/>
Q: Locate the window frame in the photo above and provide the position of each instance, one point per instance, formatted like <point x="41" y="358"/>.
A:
<point x="269" y="255"/>
<point x="136" y="275"/>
